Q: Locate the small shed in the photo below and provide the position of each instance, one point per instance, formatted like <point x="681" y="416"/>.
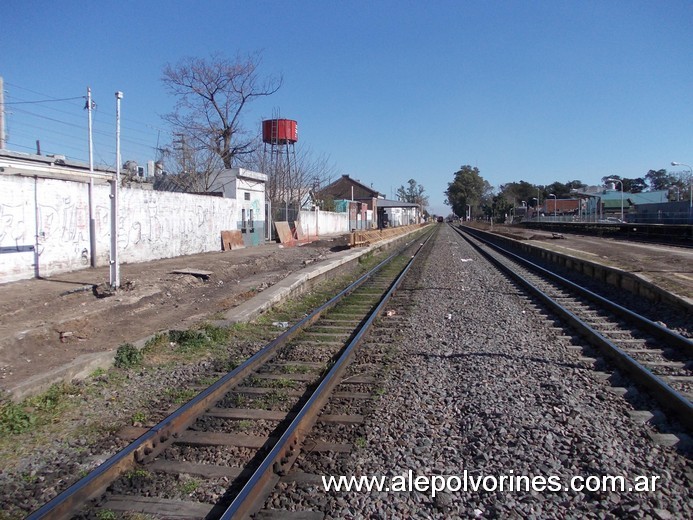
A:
<point x="248" y="188"/>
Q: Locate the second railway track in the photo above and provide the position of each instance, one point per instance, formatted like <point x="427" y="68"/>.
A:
<point x="655" y="357"/>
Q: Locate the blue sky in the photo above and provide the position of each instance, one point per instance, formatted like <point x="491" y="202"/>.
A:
<point x="539" y="91"/>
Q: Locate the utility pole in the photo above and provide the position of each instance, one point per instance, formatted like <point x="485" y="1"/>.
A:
<point x="115" y="185"/>
<point x="92" y="221"/>
<point x="2" y="115"/>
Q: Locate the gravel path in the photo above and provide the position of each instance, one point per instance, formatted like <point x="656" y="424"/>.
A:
<point x="484" y="386"/>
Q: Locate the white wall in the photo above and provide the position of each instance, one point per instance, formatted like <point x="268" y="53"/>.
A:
<point x="53" y="216"/>
<point x="326" y="222"/>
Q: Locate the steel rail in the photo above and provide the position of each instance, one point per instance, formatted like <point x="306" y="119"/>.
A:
<point x="650" y="326"/>
<point x="251" y="497"/>
<point x="158" y="437"/>
<point x="665" y="395"/>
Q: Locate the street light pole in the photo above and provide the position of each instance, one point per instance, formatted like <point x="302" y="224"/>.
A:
<point x="618" y="180"/>
<point x="690" y="181"/>
<point x="115" y="185"/>
<point x="555" y="203"/>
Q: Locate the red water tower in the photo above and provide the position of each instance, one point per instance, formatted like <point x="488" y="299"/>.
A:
<point x="279" y="131"/>
<point x="284" y="191"/>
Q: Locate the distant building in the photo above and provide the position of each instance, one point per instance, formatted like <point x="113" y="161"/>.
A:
<point x="387" y="213"/>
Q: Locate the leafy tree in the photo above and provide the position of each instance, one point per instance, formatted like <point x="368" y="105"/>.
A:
<point x="659" y="179"/>
<point x="211" y="96"/>
<point x="468" y="188"/>
<point x="414" y="193"/>
<point x="497" y="208"/>
<point x="516" y="192"/>
<point x="636" y="185"/>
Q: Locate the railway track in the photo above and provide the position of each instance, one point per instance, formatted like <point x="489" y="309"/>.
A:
<point x="656" y="358"/>
<point x="239" y="436"/>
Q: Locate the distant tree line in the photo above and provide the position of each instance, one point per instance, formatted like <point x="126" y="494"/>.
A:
<point x="470" y="193"/>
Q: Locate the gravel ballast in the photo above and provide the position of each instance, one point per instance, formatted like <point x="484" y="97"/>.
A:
<point x="483" y="385"/>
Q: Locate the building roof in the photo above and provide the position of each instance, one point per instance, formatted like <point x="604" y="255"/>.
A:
<point x="9" y="158"/>
<point x="342" y="189"/>
<point x="385" y="203"/>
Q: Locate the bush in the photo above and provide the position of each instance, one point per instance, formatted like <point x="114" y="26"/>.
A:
<point x="128" y="355"/>
<point x="14" y="418"/>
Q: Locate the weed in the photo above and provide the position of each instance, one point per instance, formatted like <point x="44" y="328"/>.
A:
<point x="273" y="398"/>
<point x="128" y="355"/>
<point x="137" y="473"/>
<point x="138" y="418"/>
<point x="360" y="442"/>
<point x="283" y="382"/>
<point x="15" y="419"/>
<point x="106" y="514"/>
<point x="188" y="340"/>
<point x="238" y="401"/>
<point x="295" y="369"/>
<point x="243" y="425"/>
<point x="98" y="373"/>
<point x="188" y="487"/>
<point x="207" y="380"/>
<point x="181" y="395"/>
<point x="157" y="340"/>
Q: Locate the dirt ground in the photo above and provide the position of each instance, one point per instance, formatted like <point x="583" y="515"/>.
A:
<point x="47" y="323"/>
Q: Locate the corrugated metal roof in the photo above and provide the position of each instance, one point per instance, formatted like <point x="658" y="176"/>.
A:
<point x="385" y="203"/>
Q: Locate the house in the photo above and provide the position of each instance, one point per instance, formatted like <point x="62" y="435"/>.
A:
<point x="387" y="213"/>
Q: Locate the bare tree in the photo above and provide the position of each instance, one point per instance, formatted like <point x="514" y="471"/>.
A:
<point x="193" y="168"/>
<point x="211" y="95"/>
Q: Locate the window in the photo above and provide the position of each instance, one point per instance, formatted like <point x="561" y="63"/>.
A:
<point x="243" y="220"/>
<point x="250" y="220"/>
<point x="246" y="195"/>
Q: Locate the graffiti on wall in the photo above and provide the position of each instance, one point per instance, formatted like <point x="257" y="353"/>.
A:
<point x="51" y="219"/>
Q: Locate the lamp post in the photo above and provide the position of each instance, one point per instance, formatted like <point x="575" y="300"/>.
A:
<point x="619" y="180"/>
<point x="115" y="186"/>
<point x="690" y="180"/>
<point x="555" y="203"/>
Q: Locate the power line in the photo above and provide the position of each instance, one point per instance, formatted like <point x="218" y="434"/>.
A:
<point x="42" y="101"/>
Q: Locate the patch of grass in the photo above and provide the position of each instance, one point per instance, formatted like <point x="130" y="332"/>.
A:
<point x="181" y="395"/>
<point x="56" y="395"/>
<point x="99" y="372"/>
<point x="283" y="382"/>
<point x="207" y="380"/>
<point x="188" y="340"/>
<point x="295" y="369"/>
<point x="188" y="487"/>
<point x="15" y="419"/>
<point x="360" y="442"/>
<point x="106" y="514"/>
<point x="137" y="473"/>
<point x="128" y="356"/>
<point x="138" y="418"/>
<point x="273" y="398"/>
<point x="155" y="342"/>
<point x="243" y="425"/>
